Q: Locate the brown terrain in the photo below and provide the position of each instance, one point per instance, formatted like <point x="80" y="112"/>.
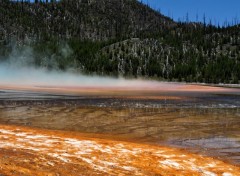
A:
<point x="29" y="151"/>
<point x="46" y="139"/>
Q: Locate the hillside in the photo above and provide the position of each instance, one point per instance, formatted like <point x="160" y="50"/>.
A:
<point x="82" y="19"/>
<point x="118" y="38"/>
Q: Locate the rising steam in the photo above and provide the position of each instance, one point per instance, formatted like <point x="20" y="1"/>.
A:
<point x="19" y="70"/>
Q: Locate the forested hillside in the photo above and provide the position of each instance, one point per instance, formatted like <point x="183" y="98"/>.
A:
<point x="118" y="38"/>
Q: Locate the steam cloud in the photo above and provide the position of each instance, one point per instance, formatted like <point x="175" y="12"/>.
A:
<point x="19" y="69"/>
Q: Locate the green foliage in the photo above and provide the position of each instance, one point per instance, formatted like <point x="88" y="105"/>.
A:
<point x="127" y="38"/>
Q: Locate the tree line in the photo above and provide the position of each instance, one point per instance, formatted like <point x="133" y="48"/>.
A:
<point x="120" y="38"/>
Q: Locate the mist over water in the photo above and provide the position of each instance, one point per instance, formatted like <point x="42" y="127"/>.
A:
<point x="19" y="75"/>
<point x="19" y="69"/>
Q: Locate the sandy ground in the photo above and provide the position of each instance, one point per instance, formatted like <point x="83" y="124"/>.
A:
<point x="29" y="151"/>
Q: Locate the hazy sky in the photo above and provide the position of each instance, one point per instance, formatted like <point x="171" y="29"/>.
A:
<point x="217" y="10"/>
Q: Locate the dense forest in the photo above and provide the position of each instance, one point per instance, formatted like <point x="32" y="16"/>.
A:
<point x="118" y="38"/>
